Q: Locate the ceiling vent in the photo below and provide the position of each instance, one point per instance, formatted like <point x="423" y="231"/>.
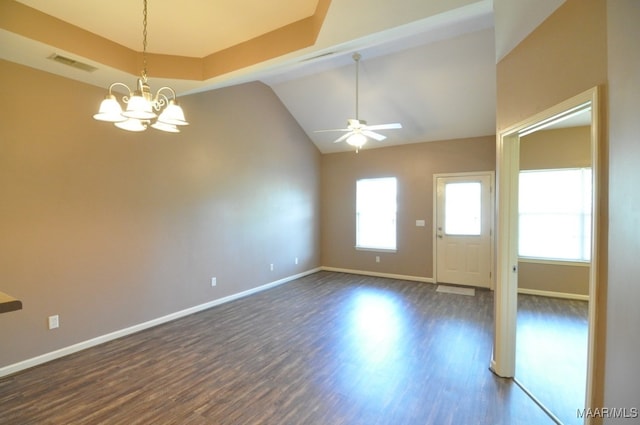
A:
<point x="72" y="62"/>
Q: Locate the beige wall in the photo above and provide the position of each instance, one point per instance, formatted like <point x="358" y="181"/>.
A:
<point x="559" y="148"/>
<point x="622" y="373"/>
<point x="560" y="277"/>
<point x="564" y="56"/>
<point x="110" y="229"/>
<point x="100" y="226"/>
<point x="548" y="149"/>
<point x="414" y="166"/>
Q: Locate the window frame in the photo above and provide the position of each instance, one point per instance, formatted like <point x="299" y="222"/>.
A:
<point x="584" y="215"/>
<point x="364" y="247"/>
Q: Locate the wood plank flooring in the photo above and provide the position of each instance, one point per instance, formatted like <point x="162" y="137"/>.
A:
<point x="551" y="353"/>
<point x="329" y="348"/>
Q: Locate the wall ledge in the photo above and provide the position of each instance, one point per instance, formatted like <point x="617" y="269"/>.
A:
<point x="8" y="303"/>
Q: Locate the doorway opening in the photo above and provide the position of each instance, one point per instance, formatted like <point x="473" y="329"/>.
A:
<point x="508" y="259"/>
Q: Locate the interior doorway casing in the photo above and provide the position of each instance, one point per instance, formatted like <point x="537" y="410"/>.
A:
<point x="507" y="172"/>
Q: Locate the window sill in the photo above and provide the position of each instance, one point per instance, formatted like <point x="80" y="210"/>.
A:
<point x="575" y="263"/>
<point x="365" y="248"/>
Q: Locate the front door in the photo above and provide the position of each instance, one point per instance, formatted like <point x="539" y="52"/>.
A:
<point x="463" y="229"/>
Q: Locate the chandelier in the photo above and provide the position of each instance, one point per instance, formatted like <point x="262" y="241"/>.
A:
<point x="142" y="107"/>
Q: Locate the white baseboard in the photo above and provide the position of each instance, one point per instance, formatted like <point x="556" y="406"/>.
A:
<point x="492" y="366"/>
<point x="376" y="274"/>
<point x="552" y="294"/>
<point x="47" y="357"/>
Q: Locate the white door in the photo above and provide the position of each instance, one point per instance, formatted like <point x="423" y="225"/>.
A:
<point x="463" y="229"/>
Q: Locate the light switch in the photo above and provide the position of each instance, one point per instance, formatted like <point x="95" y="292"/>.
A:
<point x="420" y="223"/>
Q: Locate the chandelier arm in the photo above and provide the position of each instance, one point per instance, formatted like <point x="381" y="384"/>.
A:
<point x="159" y="101"/>
<point x="120" y="84"/>
<point x="125" y="97"/>
<point x="173" y="93"/>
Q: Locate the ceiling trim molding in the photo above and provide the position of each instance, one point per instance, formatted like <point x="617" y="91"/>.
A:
<point x="288" y="39"/>
<point x="33" y="24"/>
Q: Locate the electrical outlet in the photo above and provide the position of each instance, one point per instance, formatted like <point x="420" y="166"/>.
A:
<point x="214" y="281"/>
<point x="377" y="258"/>
<point x="54" y="321"/>
<point x="271" y="267"/>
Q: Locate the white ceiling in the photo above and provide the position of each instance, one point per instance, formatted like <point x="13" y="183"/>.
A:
<point x="437" y="91"/>
<point x="429" y="65"/>
<point x="516" y="19"/>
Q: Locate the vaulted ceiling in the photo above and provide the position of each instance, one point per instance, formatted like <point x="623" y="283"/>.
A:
<point x="429" y="65"/>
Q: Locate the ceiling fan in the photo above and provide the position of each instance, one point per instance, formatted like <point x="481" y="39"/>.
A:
<point x="358" y="130"/>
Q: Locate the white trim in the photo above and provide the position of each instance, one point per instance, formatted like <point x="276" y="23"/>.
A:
<point x="506" y="297"/>
<point x="506" y="285"/>
<point x="597" y="177"/>
<point x="586" y="106"/>
<point x="533" y="260"/>
<point x="372" y="249"/>
<point x="553" y="294"/>
<point x="465" y="174"/>
<point x="376" y="274"/>
<point x="65" y="351"/>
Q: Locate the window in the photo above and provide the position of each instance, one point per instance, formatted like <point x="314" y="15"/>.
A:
<point x="555" y="214"/>
<point x="463" y="208"/>
<point x="376" y="207"/>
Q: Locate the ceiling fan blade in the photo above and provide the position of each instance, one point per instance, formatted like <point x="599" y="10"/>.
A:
<point x="376" y="136"/>
<point x="343" y="137"/>
<point x="333" y="129"/>
<point x="385" y="126"/>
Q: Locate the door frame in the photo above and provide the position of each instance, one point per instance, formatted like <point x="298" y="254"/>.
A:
<point x="492" y="197"/>
<point x="507" y="166"/>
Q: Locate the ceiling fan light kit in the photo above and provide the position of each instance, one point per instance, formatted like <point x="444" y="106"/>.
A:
<point x="142" y="107"/>
<point x="357" y="131"/>
<point x="357" y="140"/>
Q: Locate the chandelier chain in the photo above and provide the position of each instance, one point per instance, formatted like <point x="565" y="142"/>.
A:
<point x="144" y="41"/>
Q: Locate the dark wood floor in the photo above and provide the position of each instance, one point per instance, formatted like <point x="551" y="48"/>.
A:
<point x="551" y="353"/>
<point x="326" y="349"/>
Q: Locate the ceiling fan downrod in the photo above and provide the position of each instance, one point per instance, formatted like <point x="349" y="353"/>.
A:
<point x="356" y="57"/>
